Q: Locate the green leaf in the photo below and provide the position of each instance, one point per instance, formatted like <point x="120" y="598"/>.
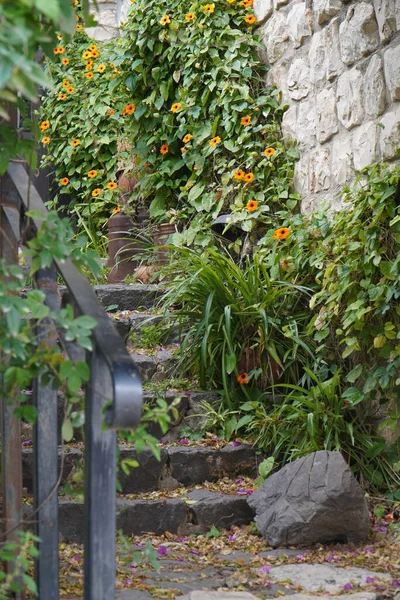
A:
<point x="354" y="374"/>
<point x="195" y="192"/>
<point x="67" y="431"/>
<point x="230" y="363"/>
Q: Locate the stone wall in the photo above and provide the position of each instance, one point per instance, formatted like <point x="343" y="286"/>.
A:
<point x="338" y="66"/>
<point x="337" y="63"/>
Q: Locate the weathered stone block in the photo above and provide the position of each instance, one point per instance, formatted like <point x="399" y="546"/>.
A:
<point x="136" y="517"/>
<point x="390" y="134"/>
<point x="385" y="11"/>
<point x="275" y="35"/>
<point x="342" y="161"/>
<point x="320" y="172"/>
<point x="279" y="3"/>
<point x="349" y="98"/>
<point x="289" y="121"/>
<point x="374" y="88"/>
<point x="213" y="509"/>
<point x="305" y="128"/>
<point x="298" y="25"/>
<point x="327" y="123"/>
<point x="301" y="174"/>
<point x="358" y="33"/>
<point x="392" y="71"/>
<point x="325" y="9"/>
<point x="364" y="145"/>
<point x="317" y="59"/>
<point x="298" y="81"/>
<point x="324" y="55"/>
<point x="144" y="478"/>
<point x="314" y="499"/>
<point x="262" y="9"/>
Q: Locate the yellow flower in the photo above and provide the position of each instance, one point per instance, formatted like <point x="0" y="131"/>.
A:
<point x="93" y="47"/>
<point x="101" y="68"/>
<point x="230" y="1"/>
<point x="246" y="121"/>
<point x="87" y="55"/>
<point x="59" y="50"/>
<point x="247" y="3"/>
<point x="79" y="27"/>
<point x="89" y="75"/>
<point x="190" y="17"/>
<point x="282" y="233"/>
<point x="76" y="2"/>
<point x="248" y="178"/>
<point x="116" y="210"/>
<point x="111" y="65"/>
<point x="95" y="54"/>
<point x="44" y="125"/>
<point x="252" y="205"/>
<point x="184" y="149"/>
<point x="70" y="90"/>
<point x="64" y="181"/>
<point x="128" y="110"/>
<point x="209" y="8"/>
<point x="45" y="140"/>
<point x="250" y="19"/>
<point x="62" y="96"/>
<point x="269" y="152"/>
<point x="96" y="192"/>
<point x="238" y="175"/>
<point x="165" y="20"/>
<point x="65" y="84"/>
<point x="176" y="107"/>
<point x="89" y="66"/>
<point x="215" y="140"/>
<point x="65" y="61"/>
<point x="187" y="138"/>
<point x="92" y="173"/>
<point x="111" y="185"/>
<point x="75" y="143"/>
<point x="59" y="36"/>
<point x="164" y="149"/>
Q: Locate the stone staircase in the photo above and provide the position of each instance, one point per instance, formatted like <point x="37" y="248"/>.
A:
<point x="183" y="503"/>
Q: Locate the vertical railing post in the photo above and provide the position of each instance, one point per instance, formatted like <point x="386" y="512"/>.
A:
<point x="100" y="486"/>
<point x="10" y="426"/>
<point x="45" y="444"/>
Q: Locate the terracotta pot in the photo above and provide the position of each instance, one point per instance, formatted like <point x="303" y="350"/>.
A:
<point x="122" y="248"/>
<point x="160" y="235"/>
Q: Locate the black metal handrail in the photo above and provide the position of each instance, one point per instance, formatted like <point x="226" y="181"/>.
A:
<point x="113" y="394"/>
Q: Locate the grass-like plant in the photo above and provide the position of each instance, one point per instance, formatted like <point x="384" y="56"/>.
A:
<point x="240" y="328"/>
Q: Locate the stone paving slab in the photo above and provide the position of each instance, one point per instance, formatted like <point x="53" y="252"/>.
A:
<point x="323" y="578"/>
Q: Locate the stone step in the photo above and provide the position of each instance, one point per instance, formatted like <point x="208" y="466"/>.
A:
<point x="194" y="514"/>
<point x="134" y="322"/>
<point x="125" y="297"/>
<point x="157" y="367"/>
<point x="179" y="466"/>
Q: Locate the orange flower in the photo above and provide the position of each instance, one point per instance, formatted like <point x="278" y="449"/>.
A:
<point x="64" y="181"/>
<point x="282" y="233"/>
<point x="164" y="149"/>
<point x="96" y="192"/>
<point x="110" y="112"/>
<point x="45" y="140"/>
<point x="92" y="173"/>
<point x="65" y="61"/>
<point x="176" y="107"/>
<point x="76" y="2"/>
<point x="284" y="264"/>
<point x="116" y="210"/>
<point x="252" y="205"/>
<point x="101" y="68"/>
<point x="246" y="121"/>
<point x="62" y="96"/>
<point x="87" y="55"/>
<point x="248" y="177"/>
<point x="89" y="75"/>
<point x="242" y="378"/>
<point x="184" y="149"/>
<point x="70" y="89"/>
<point x="247" y="3"/>
<point x="250" y="19"/>
<point x="44" y="125"/>
<point x="95" y="54"/>
<point x="79" y="27"/>
<point x="93" y="47"/>
<point x="111" y="185"/>
<point x="75" y="143"/>
<point x="128" y="110"/>
<point x="269" y="152"/>
<point x="238" y="175"/>
<point x="190" y="17"/>
<point x="215" y="140"/>
<point x="187" y="138"/>
<point x="209" y="8"/>
<point x="65" y="83"/>
<point x="165" y="20"/>
<point x="58" y="50"/>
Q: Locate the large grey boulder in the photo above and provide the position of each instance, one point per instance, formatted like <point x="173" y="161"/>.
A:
<point x="314" y="499"/>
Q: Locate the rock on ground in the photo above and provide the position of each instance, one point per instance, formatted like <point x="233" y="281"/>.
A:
<point x="314" y="499"/>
